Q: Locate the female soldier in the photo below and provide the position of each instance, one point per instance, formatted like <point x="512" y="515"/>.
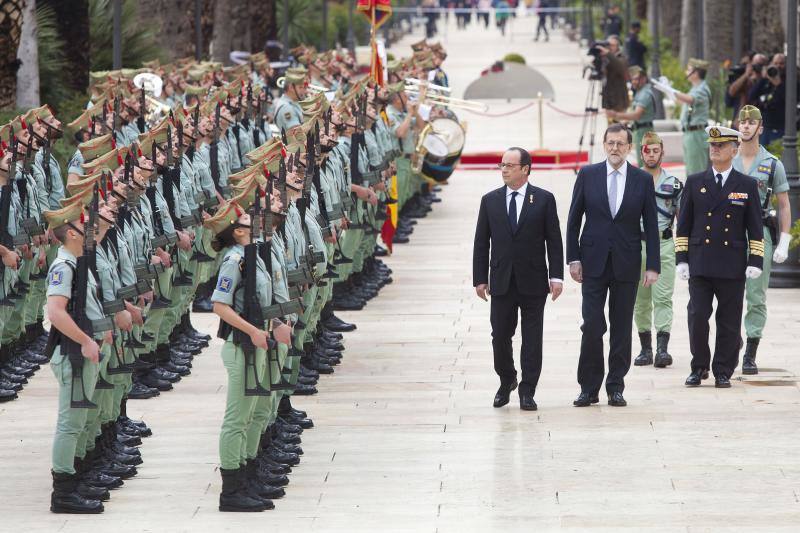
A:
<point x="231" y="228"/>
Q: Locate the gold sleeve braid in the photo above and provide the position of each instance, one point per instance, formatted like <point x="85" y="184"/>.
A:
<point x="757" y="248"/>
<point x="681" y="244"/>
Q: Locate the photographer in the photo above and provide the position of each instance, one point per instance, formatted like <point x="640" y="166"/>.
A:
<point x="769" y="95"/>
<point x="741" y="80"/>
<point x="614" y="68"/>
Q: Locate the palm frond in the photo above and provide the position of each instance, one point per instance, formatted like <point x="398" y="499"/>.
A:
<point x="139" y="44"/>
<point x="53" y="87"/>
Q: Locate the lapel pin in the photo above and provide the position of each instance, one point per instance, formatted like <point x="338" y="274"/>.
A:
<point x="703" y="190"/>
<point x="530" y="199"/>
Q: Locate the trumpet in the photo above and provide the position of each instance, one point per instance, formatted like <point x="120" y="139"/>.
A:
<point x="448" y="101"/>
<point x="415" y="83"/>
<point x="281" y="82"/>
<point x="156" y="111"/>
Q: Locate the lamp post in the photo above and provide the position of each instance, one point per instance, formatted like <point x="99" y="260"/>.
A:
<point x="351" y="38"/>
<point x="198" y="31"/>
<point x="787" y="274"/>
<point x="699" y="16"/>
<point x="117" y="38"/>
<point x="655" y="66"/>
<point x="285" y="29"/>
<point x="323" y="46"/>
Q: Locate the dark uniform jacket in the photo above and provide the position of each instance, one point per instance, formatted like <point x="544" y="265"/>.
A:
<point x="714" y="227"/>
<point x="529" y="252"/>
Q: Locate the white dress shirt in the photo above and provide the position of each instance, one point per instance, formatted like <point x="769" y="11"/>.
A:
<point x="621" y="177"/>
<point x="518" y="203"/>
<point x="725" y="174"/>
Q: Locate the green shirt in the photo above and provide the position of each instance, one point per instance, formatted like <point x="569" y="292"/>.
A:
<point x="760" y="170"/>
<point x="60" y="279"/>
<point x="230" y="282"/>
<point x="645" y="99"/>
<point x="288" y="113"/>
<point x="697" y="114"/>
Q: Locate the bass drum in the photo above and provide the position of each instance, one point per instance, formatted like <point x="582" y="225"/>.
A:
<point x="439" y="165"/>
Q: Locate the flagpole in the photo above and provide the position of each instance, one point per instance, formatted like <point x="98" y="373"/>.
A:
<point x="374" y="54"/>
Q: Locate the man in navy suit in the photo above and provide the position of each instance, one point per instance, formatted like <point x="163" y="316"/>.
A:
<point x="606" y="258"/>
<point x="519" y="222"/>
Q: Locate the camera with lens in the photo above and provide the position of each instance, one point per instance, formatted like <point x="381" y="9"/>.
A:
<point x="596" y="67"/>
<point x="772" y="71"/>
<point x="735" y="72"/>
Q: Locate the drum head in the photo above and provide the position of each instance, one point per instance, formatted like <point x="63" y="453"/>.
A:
<point x="451" y="132"/>
<point x="435" y="145"/>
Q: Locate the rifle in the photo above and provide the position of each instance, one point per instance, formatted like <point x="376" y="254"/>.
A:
<point x="323" y="206"/>
<point x="77" y="310"/>
<point x="140" y="122"/>
<point x="252" y="307"/>
<point x="214" y="151"/>
<point x="5" y="237"/>
<point x="115" y="118"/>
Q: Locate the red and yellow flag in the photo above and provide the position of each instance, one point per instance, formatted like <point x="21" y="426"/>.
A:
<point x="378" y="12"/>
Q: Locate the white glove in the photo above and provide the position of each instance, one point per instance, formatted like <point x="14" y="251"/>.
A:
<point x="665" y="86"/>
<point x="752" y="272"/>
<point x="782" y="251"/>
<point x="683" y="271"/>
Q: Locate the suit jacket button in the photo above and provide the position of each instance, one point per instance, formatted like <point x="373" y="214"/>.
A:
<point x="708" y="228"/>
<point x="726" y="243"/>
<point x="709" y="214"/>
<point x="727" y="216"/>
<point x="708" y="241"/>
<point x="726" y="230"/>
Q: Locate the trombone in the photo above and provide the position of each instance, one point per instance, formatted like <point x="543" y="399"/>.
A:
<point x="415" y="83"/>
<point x="447" y="101"/>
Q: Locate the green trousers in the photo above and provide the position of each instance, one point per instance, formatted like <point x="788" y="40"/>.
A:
<point x="695" y="151"/>
<point x="71" y="422"/>
<point x="756" y="295"/>
<point x="654" y="304"/>
<point x="239" y="409"/>
<point x="103" y="398"/>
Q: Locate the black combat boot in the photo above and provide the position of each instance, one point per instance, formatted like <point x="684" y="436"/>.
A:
<point x="258" y="486"/>
<point x="85" y="487"/>
<point x="66" y="499"/>
<point x="645" y="357"/>
<point x="749" y="367"/>
<point x="234" y="498"/>
<point x="663" y="358"/>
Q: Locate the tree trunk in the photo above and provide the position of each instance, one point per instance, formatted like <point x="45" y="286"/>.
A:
<point x="718" y="31"/>
<point x="28" y="55"/>
<point x="240" y="23"/>
<point x="73" y="24"/>
<point x="639" y="10"/>
<point x="688" y="31"/>
<point x="767" y="30"/>
<point x="671" y="23"/>
<point x="11" y="16"/>
<point x="222" y="36"/>
<point x="262" y="22"/>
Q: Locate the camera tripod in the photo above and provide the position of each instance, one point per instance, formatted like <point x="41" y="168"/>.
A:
<point x="589" y="126"/>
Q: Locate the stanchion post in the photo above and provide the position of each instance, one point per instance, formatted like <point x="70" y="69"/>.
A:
<point x="540" y="101"/>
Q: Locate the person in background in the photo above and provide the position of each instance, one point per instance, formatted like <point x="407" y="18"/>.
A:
<point x="634" y="48"/>
<point x="542" y="9"/>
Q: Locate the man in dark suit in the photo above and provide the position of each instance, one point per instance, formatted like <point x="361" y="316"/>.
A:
<point x="719" y="244"/>
<point x="519" y="222"/>
<point x="614" y="197"/>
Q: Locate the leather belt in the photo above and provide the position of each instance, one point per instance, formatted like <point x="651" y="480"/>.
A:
<point x="640" y="125"/>
<point x="694" y="128"/>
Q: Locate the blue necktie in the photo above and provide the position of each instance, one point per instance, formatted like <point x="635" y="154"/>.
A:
<point x="719" y="182"/>
<point x="512" y="212"/>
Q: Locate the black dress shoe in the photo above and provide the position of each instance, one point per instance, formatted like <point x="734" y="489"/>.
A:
<point x="722" y="382"/>
<point x="615" y="399"/>
<point x="585" y="399"/>
<point x="526" y="402"/>
<point x="696" y="377"/>
<point x="504" y="394"/>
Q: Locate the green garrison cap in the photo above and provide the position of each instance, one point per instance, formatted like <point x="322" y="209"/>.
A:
<point x="749" y="112"/>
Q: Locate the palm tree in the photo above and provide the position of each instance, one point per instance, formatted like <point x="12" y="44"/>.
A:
<point x="767" y="30"/>
<point x="10" y="32"/>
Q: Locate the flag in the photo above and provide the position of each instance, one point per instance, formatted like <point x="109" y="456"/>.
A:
<point x="390" y="224"/>
<point x="378" y="12"/>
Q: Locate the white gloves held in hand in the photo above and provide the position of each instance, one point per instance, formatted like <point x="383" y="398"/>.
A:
<point x="683" y="271"/>
<point x="752" y="272"/>
<point x="782" y="250"/>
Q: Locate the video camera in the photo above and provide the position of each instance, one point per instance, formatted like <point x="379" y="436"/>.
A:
<point x="595" y="68"/>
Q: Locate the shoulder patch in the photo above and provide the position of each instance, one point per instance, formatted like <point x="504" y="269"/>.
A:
<point x="287" y="115"/>
<point x="56" y="278"/>
<point x="225" y="284"/>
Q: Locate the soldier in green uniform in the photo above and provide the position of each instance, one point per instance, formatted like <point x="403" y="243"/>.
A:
<point x="654" y="303"/>
<point x="694" y="116"/>
<point x="755" y="161"/>
<point x="69" y="494"/>
<point x="231" y="227"/>
<point x="644" y="109"/>
<point x="288" y="112"/>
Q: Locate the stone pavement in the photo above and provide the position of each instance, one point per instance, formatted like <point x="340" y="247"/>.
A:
<point x="406" y="438"/>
